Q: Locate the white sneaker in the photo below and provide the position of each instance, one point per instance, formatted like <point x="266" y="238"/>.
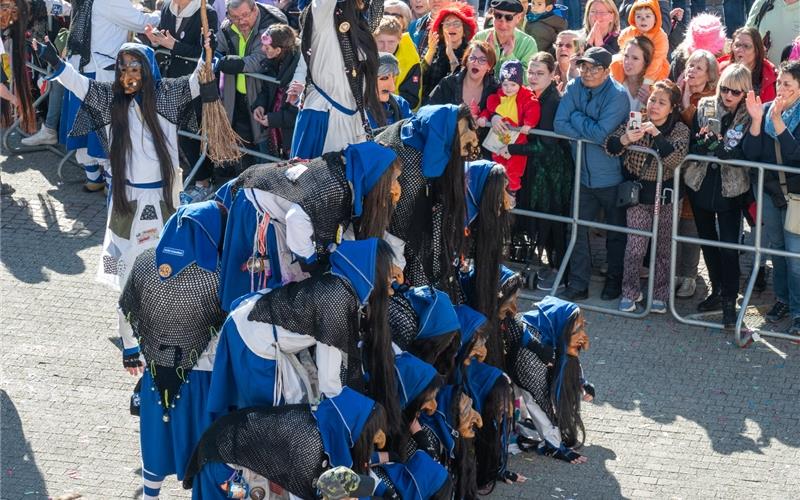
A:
<point x="45" y="136"/>
<point x="686" y="287"/>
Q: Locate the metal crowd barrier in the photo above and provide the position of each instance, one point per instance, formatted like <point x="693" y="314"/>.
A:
<point x="743" y="339"/>
<point x="576" y="222"/>
<point x="14" y="128"/>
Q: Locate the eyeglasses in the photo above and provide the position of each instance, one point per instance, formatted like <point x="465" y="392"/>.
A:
<point x="743" y="46"/>
<point x="590" y="69"/>
<point x="476" y="59"/>
<point x="727" y="90"/>
<point x="599" y="13"/>
<point x="452" y="24"/>
<point x="508" y="17"/>
<point x="237" y="19"/>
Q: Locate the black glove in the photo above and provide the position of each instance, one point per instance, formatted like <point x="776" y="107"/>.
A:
<point x="49" y="55"/>
<point x="209" y="92"/>
<point x="546" y="353"/>
<point x="131" y="361"/>
<point x="589" y="389"/>
<point x="231" y="65"/>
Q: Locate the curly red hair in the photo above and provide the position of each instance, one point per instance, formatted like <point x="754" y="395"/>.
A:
<point x="463" y="11"/>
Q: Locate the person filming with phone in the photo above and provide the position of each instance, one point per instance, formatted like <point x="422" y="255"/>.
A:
<point x="718" y="191"/>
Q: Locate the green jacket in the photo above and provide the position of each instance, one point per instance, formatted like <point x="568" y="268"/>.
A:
<point x="524" y="48"/>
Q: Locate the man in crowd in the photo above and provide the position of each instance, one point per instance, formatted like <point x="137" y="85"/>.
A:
<point x="508" y="41"/>
<point x="591" y="108"/>
<point x="239" y="45"/>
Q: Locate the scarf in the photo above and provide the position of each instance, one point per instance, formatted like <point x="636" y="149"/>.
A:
<point x="790" y="116"/>
<point x="79" y="40"/>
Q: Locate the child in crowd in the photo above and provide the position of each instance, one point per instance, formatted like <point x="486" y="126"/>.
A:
<point x="645" y="20"/>
<point x="390" y="38"/>
<point x="513" y="105"/>
<point x="544" y="21"/>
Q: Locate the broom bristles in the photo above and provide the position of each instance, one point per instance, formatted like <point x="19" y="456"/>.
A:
<point x="221" y="140"/>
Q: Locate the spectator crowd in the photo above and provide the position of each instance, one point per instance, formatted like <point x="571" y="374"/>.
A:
<point x="331" y="317"/>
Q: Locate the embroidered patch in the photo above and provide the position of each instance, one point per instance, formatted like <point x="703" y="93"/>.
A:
<point x="173" y="251"/>
<point x="147" y="235"/>
<point x="415" y="79"/>
<point x="149" y="213"/>
<point x="294" y="173"/>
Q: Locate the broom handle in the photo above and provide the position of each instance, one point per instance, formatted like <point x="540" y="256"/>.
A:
<point x="204" y="24"/>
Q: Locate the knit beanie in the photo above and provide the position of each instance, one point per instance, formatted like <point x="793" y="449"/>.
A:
<point x="511" y="70"/>
<point x="706" y="32"/>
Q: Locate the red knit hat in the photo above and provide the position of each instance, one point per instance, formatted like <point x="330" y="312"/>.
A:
<point x="463" y="11"/>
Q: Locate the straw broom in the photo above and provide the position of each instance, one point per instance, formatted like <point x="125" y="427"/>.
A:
<point x="216" y="129"/>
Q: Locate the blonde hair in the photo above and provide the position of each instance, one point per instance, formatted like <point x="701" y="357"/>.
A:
<point x="712" y="67"/>
<point x="389" y="25"/>
<point x="736" y="77"/>
<point x="611" y="6"/>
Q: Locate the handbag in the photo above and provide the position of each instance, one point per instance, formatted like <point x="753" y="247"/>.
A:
<point x="792" y="222"/>
<point x="628" y="194"/>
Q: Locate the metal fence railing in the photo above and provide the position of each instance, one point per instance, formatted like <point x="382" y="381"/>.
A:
<point x="743" y="336"/>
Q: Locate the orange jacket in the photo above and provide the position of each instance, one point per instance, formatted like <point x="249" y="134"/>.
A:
<point x="659" y="67"/>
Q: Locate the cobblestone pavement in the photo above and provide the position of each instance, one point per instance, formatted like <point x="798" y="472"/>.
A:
<point x="680" y="412"/>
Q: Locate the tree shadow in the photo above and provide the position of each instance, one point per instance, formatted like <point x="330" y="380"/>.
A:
<point x="21" y="476"/>
<point x="38" y="235"/>
<point x="666" y="370"/>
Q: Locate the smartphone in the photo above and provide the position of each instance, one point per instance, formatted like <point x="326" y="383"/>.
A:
<point x="714" y="126"/>
<point x="635" y="120"/>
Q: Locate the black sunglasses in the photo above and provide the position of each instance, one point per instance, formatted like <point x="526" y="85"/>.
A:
<point x="508" y="17"/>
<point x="727" y="90"/>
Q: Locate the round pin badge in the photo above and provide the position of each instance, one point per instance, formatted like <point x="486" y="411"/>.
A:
<point x="165" y="270"/>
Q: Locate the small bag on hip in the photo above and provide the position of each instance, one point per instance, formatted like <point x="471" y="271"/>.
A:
<point x="628" y="194"/>
<point x="792" y="222"/>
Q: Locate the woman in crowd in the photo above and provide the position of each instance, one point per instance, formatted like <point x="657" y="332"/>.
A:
<point x="775" y="138"/>
<point x="421" y="27"/>
<point x="637" y="54"/>
<point x="568" y="47"/>
<point x="669" y="136"/>
<point x="451" y="31"/>
<point x="748" y="49"/>
<point x="699" y="80"/>
<point x="601" y="25"/>
<point x="547" y="187"/>
<point x="705" y="32"/>
<point x="473" y="84"/>
<point x="419" y="8"/>
<point x="271" y="108"/>
<point x="715" y="189"/>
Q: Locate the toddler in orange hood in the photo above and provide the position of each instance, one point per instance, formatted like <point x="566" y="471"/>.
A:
<point x="644" y="19"/>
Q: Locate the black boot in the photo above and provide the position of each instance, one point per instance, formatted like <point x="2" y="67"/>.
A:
<point x="729" y="313"/>
<point x="711" y="303"/>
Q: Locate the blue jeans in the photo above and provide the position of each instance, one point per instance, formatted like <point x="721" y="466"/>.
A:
<point x="54" y="101"/>
<point x="735" y="12"/>
<point x="786" y="272"/>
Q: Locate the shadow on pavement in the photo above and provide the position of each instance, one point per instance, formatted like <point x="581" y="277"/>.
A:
<point x="738" y="396"/>
<point x="21" y="476"/>
<point x="35" y="237"/>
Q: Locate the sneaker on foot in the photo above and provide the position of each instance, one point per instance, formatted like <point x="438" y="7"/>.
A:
<point x="45" y="136"/>
<point x="711" y="303"/>
<point x="546" y="279"/>
<point x="795" y="328"/>
<point x="779" y="311"/>
<point x="628" y="305"/>
<point x="686" y="287"/>
<point x="659" y="307"/>
<point x="572" y="295"/>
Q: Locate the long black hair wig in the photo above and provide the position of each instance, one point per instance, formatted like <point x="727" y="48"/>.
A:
<point x="382" y="385"/>
<point x="491" y="440"/>
<point x="120" y="150"/>
<point x="567" y="393"/>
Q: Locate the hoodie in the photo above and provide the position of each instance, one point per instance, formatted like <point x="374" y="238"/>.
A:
<point x="659" y="67"/>
<point x="544" y="28"/>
